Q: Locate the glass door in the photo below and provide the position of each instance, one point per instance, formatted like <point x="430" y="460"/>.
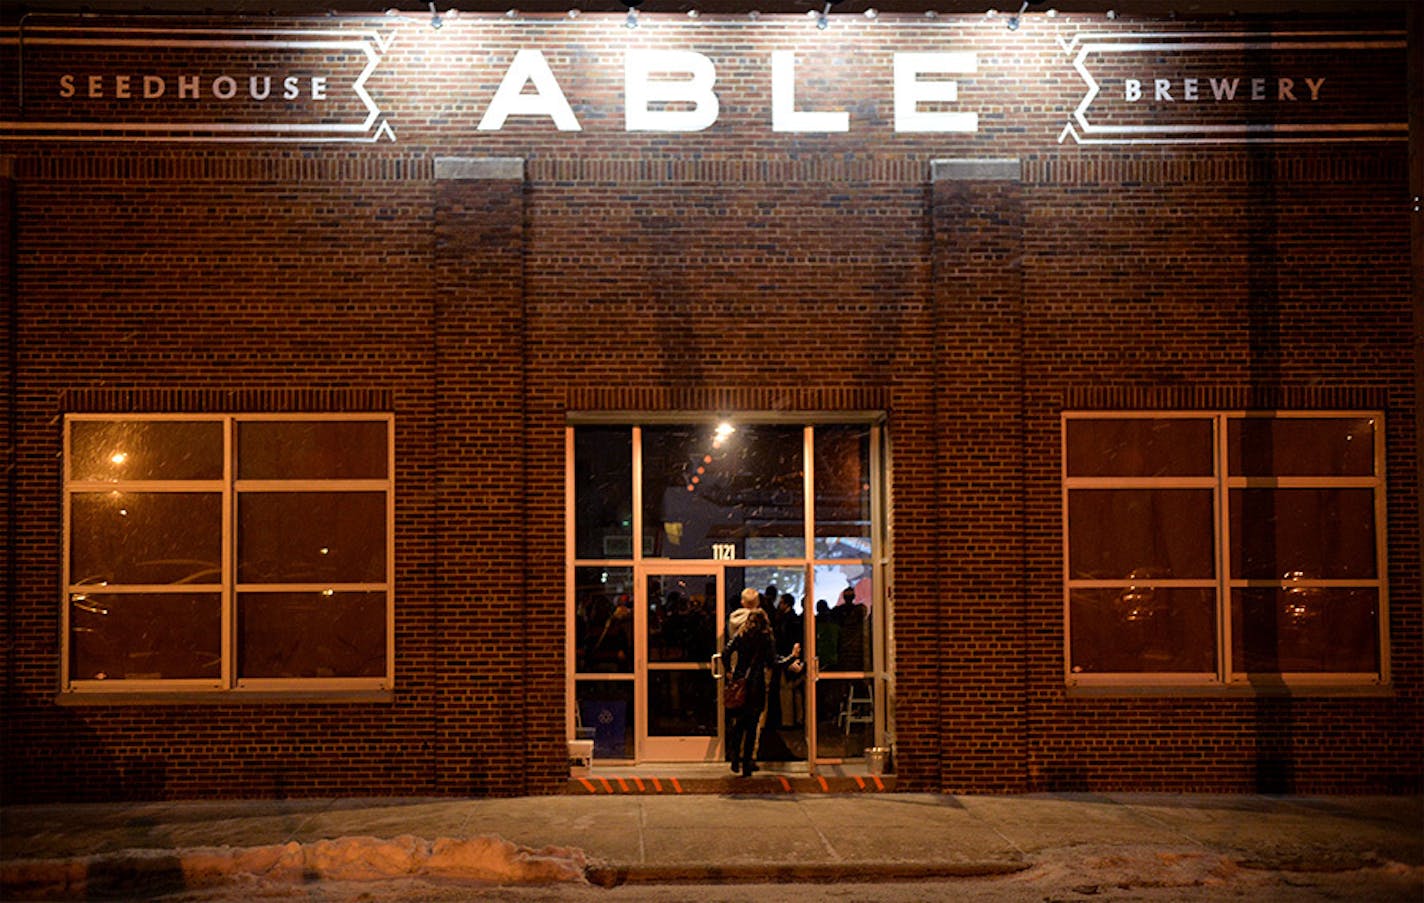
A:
<point x="677" y="630"/>
<point x="669" y="522"/>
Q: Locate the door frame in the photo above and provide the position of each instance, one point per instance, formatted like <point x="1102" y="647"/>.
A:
<point x="649" y="748"/>
<point x="638" y="559"/>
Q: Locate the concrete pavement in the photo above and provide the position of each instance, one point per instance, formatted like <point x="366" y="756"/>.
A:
<point x="652" y="837"/>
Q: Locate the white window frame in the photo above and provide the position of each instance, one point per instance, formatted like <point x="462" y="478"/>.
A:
<point x="229" y="684"/>
<point x="1227" y="678"/>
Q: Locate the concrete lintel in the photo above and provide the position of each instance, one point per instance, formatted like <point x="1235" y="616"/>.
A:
<point x="976" y="170"/>
<point x="509" y="168"/>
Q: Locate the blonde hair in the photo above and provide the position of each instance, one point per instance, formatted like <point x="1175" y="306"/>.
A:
<point x="751" y="598"/>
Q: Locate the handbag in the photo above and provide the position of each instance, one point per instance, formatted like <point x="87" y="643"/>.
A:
<point x="734" y="692"/>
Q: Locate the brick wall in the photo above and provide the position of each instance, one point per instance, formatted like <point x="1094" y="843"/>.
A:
<point x="734" y="269"/>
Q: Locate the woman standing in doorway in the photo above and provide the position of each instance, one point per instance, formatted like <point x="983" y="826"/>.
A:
<point x="750" y="656"/>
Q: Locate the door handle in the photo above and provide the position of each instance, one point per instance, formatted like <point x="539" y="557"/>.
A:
<point x="716" y="663"/>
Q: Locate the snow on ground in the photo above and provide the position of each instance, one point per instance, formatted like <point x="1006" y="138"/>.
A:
<point x="484" y="860"/>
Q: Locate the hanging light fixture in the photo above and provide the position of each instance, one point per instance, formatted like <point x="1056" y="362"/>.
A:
<point x="632" y="20"/>
<point x="1017" y="17"/>
<point x="435" y="21"/>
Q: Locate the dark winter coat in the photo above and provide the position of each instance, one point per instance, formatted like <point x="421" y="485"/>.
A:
<point x="751" y="652"/>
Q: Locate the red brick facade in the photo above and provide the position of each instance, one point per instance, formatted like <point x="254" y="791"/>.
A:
<point x="483" y="286"/>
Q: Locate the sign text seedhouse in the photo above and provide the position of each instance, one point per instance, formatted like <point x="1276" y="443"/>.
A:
<point x="192" y="87"/>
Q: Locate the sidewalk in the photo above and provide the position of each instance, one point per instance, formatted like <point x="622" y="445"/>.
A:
<point x="613" y="839"/>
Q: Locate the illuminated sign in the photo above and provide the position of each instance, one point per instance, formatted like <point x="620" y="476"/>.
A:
<point x="923" y="83"/>
<point x="164" y="84"/>
<point x="657" y="80"/>
<point x="1233" y="87"/>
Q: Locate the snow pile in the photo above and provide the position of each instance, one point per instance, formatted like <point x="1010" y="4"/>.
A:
<point x="488" y="860"/>
<point x="1089" y="870"/>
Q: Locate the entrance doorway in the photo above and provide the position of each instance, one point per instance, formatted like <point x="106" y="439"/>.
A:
<point x="668" y="524"/>
<point x="677" y="635"/>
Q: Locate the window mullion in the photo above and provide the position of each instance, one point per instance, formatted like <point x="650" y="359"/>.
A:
<point x="1224" y="667"/>
<point x="1381" y="555"/>
<point x="229" y="553"/>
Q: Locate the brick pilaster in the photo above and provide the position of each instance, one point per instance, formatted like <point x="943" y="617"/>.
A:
<point x="479" y="288"/>
<point x="978" y="277"/>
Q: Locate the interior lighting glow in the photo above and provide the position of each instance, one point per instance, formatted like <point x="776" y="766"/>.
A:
<point x="119" y="457"/>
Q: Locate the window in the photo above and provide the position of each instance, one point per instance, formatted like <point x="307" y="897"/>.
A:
<point x="216" y="552"/>
<point x="1224" y="549"/>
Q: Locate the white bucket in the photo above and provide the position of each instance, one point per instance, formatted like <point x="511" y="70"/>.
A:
<point x="877" y="758"/>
